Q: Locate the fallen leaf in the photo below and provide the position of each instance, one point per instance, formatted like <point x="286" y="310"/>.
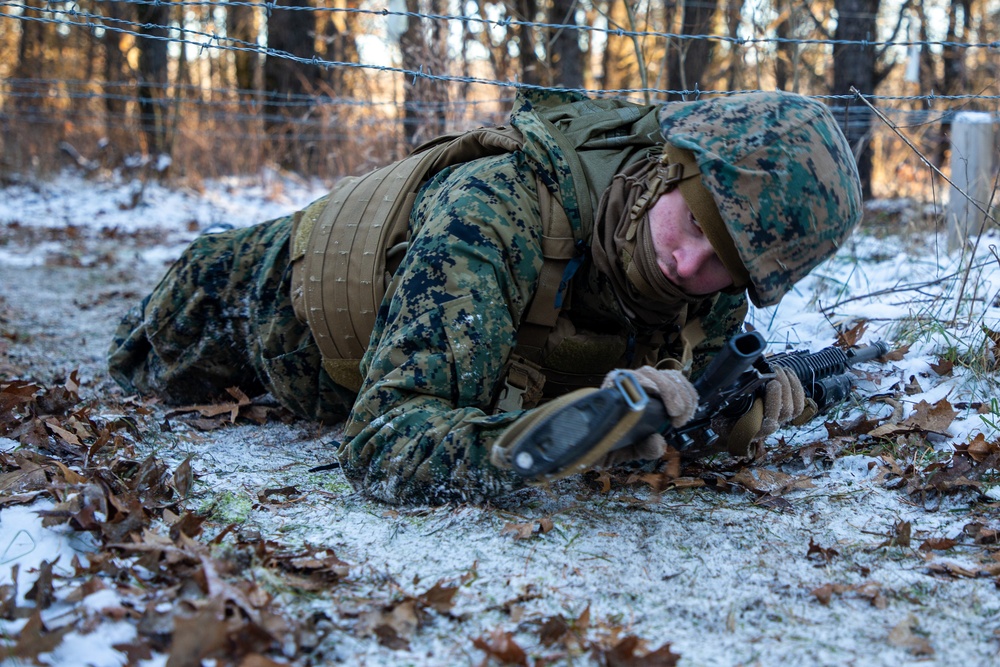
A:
<point x="34" y="639"/>
<point x="850" y="337"/>
<point x="523" y="531"/>
<point x="258" y="660"/>
<point x="937" y="544"/>
<point x="183" y="478"/>
<point x="624" y="654"/>
<point x="501" y="646"/>
<point x="897" y="354"/>
<point x="761" y="480"/>
<point x="826" y="554"/>
<point x="943" y="367"/>
<point x="900" y="536"/>
<point x="553" y="629"/>
<point x="29" y="477"/>
<point x="771" y="482"/>
<point x="979" y="449"/>
<point x="868" y="590"/>
<point x="439" y="597"/>
<point x="902" y="636"/>
<point x="42" y="592"/>
<point x="62" y="433"/>
<point x="936" y="418"/>
<point x="912" y="388"/>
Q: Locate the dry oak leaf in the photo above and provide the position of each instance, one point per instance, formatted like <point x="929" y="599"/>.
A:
<point x="937" y="544"/>
<point x="826" y="554"/>
<point x="623" y="654"/>
<point x="979" y="449"/>
<point x="902" y="636"/>
<point x="501" y="646"/>
<point x="900" y="537"/>
<point x="850" y="337"/>
<point x="439" y="597"/>
<point x="522" y="531"/>
<point x="943" y="367"/>
<point x="34" y="639"/>
<point x="869" y="590"/>
<point x="764" y="481"/>
<point x="937" y="417"/>
<point x="897" y="354"/>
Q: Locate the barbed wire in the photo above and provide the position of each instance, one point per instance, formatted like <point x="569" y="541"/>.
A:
<point x="25" y="89"/>
<point x="323" y="121"/>
<point x="226" y="43"/>
<point x="21" y="88"/>
<point x="270" y="6"/>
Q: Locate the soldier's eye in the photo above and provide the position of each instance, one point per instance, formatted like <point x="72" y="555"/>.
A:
<point x="695" y="223"/>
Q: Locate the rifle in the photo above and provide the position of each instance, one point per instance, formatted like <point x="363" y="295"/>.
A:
<point x="625" y="413"/>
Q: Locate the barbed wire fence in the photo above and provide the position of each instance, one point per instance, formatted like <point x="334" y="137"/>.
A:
<point x="349" y="109"/>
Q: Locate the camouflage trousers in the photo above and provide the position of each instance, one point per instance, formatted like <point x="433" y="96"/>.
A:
<point x="222" y="317"/>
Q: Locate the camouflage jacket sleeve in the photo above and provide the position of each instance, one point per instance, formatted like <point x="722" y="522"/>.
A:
<point x="420" y="430"/>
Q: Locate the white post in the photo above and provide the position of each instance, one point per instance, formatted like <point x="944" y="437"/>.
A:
<point x="972" y="154"/>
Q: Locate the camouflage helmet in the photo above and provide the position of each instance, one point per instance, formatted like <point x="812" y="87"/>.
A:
<point x="782" y="176"/>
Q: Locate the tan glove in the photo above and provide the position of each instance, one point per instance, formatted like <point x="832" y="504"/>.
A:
<point x="680" y="399"/>
<point x="784" y="402"/>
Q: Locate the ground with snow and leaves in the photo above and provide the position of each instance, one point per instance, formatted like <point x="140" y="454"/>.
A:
<point x="136" y="533"/>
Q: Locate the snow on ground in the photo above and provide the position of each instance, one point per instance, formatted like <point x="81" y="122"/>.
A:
<point x="724" y="578"/>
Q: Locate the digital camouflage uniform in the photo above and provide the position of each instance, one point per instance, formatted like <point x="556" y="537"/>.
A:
<point x="421" y="428"/>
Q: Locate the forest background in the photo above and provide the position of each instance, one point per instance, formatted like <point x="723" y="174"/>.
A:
<point x="332" y="88"/>
<point x="140" y="534"/>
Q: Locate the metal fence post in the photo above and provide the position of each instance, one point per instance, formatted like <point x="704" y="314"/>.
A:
<point x="972" y="161"/>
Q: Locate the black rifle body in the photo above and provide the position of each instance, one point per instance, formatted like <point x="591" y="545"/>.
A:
<point x="727" y="387"/>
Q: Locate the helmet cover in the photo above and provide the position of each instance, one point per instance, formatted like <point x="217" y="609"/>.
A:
<point x="782" y="175"/>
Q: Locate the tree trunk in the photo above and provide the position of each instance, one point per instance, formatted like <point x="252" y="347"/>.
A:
<point x="152" y="74"/>
<point x="413" y="51"/>
<point x="566" y="56"/>
<point x="115" y="68"/>
<point x="532" y="69"/>
<point x="687" y="61"/>
<point x="854" y="65"/>
<point x="619" y="62"/>
<point x="241" y="25"/>
<point x="784" y="56"/>
<point x="286" y="80"/>
<point x="956" y="76"/>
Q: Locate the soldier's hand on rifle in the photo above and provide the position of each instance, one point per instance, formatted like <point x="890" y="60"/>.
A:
<point x="678" y="396"/>
<point x="783" y="401"/>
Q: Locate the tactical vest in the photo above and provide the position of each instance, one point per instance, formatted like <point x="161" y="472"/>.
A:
<point x="347" y="246"/>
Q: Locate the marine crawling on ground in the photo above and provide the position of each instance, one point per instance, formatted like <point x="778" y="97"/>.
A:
<point x="440" y="303"/>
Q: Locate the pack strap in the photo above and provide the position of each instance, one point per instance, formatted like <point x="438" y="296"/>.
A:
<point x="559" y="250"/>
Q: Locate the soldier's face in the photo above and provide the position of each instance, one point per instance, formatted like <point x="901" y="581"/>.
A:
<point x="683" y="253"/>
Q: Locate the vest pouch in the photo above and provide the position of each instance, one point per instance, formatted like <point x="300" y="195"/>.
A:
<point x="568" y="350"/>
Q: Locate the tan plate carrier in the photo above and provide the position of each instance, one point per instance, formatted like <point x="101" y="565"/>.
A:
<point x="350" y="247"/>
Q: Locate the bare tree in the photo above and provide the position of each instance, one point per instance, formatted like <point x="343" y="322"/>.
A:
<point x="861" y="65"/>
<point x="291" y="31"/>
<point x="424" y="48"/>
<point x="687" y="59"/>
<point x="566" y="56"/>
<point x="154" y="20"/>
<point x="241" y="26"/>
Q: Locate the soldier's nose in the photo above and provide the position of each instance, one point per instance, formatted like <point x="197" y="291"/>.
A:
<point x="693" y="256"/>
